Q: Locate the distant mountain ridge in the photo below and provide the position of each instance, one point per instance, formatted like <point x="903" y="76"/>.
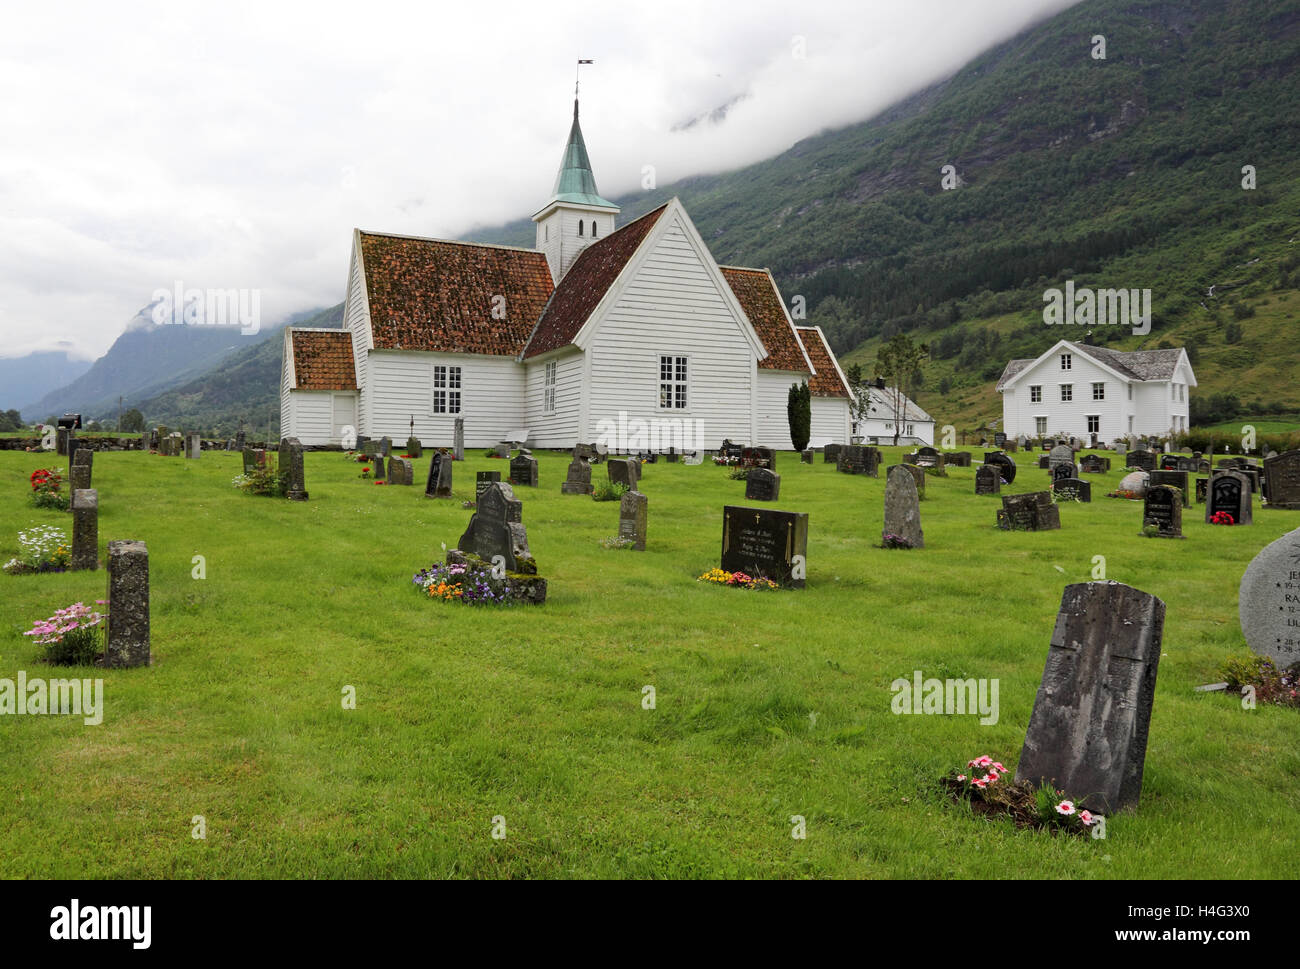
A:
<point x="23" y="378"/>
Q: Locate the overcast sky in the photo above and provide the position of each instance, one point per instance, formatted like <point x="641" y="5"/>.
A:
<point x="235" y="145"/>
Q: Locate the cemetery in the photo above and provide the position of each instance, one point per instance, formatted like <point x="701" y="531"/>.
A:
<point x="297" y="672"/>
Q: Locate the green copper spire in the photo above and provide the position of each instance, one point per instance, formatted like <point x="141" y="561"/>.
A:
<point x="575" y="181"/>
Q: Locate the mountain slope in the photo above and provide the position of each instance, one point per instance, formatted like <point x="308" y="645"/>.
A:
<point x="22" y="378"/>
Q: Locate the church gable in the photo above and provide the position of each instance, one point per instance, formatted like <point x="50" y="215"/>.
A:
<point x="756" y="291"/>
<point x="452" y="297"/>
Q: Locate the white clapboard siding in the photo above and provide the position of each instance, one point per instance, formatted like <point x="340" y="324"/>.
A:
<point x="558" y="429"/>
<point x="830" y="419"/>
<point x="286" y="397"/>
<point x="356" y="319"/>
<point x="312" y="417"/>
<point x="1019" y="413"/>
<point x="772" y="419"/>
<point x="672" y="305"/>
<point x="401" y="387"/>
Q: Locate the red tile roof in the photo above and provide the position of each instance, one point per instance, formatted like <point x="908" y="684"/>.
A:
<point x="826" y="381"/>
<point x="322" y="359"/>
<point x="586" y="282"/>
<point x="756" y="291"/>
<point x="427" y="294"/>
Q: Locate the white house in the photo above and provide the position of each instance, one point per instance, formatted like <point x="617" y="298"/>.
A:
<point x="881" y="416"/>
<point x="632" y="336"/>
<point x="1080" y="390"/>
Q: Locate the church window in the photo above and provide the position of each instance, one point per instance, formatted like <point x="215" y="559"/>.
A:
<point x="579" y="227"/>
<point x="593" y="228"/>
<point x="446" y="390"/>
<point x="672" y="382"/>
<point x="548" y="387"/>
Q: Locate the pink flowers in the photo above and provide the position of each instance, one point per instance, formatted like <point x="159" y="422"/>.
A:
<point x="1087" y="818"/>
<point x="1065" y="807"/>
<point x="64" y="621"/>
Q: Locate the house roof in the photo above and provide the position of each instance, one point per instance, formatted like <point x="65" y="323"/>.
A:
<point x="585" y="284"/>
<point x="436" y="295"/>
<point x="881" y="406"/>
<point x="1130" y="364"/>
<point x="827" y="381"/>
<point x="322" y="359"/>
<point x="756" y="291"/>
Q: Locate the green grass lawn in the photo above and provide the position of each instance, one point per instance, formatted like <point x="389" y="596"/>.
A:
<point x="768" y="704"/>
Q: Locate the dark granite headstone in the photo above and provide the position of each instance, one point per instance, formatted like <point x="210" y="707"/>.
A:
<point x="85" y="530"/>
<point x="1072" y="489"/>
<point x="1283" y="474"/>
<point x="1177" y="479"/>
<point x="523" y="471"/>
<point x="859" y="459"/>
<point x="622" y="471"/>
<point x="291" y="465"/>
<point x="999" y="439"/>
<point x="1094" y="464"/>
<point x="831" y="454"/>
<point x="1006" y="467"/>
<point x="957" y="459"/>
<point x="1032" y="512"/>
<point x="386" y="446"/>
<point x="380" y="469"/>
<point x="762" y="484"/>
<point x="1044" y="462"/>
<point x="1087" y="734"/>
<point x="1142" y="459"/>
<point x="758" y="457"/>
<point x="632" y="513"/>
<point x="414" y="447"/>
<point x="1062" y="471"/>
<point x="806" y="456"/>
<point x="481" y="481"/>
<point x="1163" y="508"/>
<point x="128" y="604"/>
<point x="902" y="508"/>
<point x="987" y="480"/>
<point x="1268" y="601"/>
<point x="1229" y="491"/>
<point x="496" y="528"/>
<point x="439" y="482"/>
<point x="766" y="543"/>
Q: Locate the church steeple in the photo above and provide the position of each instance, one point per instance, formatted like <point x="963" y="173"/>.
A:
<point x="577" y="214"/>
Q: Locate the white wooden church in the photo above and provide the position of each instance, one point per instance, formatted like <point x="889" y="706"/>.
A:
<point x="598" y="326"/>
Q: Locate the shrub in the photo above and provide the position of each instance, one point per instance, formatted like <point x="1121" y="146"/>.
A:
<point x="264" y="479"/>
<point x="608" y="490"/>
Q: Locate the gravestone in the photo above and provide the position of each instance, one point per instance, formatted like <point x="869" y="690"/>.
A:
<point x="401" y="471"/>
<point x="83" y="456"/>
<point x="502" y="449"/>
<point x="1202" y="489"/>
<point x="578" y="479"/>
<point x="361" y="443"/>
<point x="916" y="472"/>
<point x="902" y="509"/>
<point x="1044" y="462"/>
<point x="193" y="446"/>
<point x="1283" y="476"/>
<point x="1164" y="508"/>
<point x="496" y="529"/>
<point x="1190" y="465"/>
<point x="1006" y="467"/>
<point x="766" y="543"/>
<point x="290" y="464"/>
<point x="439" y="482"/>
<point x="831" y="454"/>
<point x="1177" y="479"/>
<point x="523" y="470"/>
<point x="928" y="457"/>
<point x="240" y="439"/>
<point x="758" y="457"/>
<point x="1087" y="734"/>
<point x="999" y="439"/>
<point x="481" y="481"/>
<point x="858" y="459"/>
<point x="1120" y="447"/>
<point x="1058" y="456"/>
<point x="694" y="458"/>
<point x="414" y="447"/>
<point x="632" y="512"/>
<point x="806" y="456"/>
<point x="1072" y="489"/>
<point x="252" y="459"/>
<point x="380" y="470"/>
<point x="1229" y="491"/>
<point x="458" y="439"/>
<point x="1268" y="601"/>
<point x="1094" y="464"/>
<point x="1062" y="471"/>
<point x="1135" y="482"/>
<point x="957" y="459"/>
<point x="63" y="441"/>
<point x="762" y="484"/>
<point x="85" y="530"/>
<point x="622" y="471"/>
<point x="987" y="480"/>
<point x="79" y="477"/>
<point x="1143" y="460"/>
<point x="128" y="604"/>
<point x="1168" y="462"/>
<point x="1032" y="512"/>
<point x="386" y="446"/>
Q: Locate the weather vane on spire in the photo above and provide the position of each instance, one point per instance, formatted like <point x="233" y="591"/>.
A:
<point x="575" y="77"/>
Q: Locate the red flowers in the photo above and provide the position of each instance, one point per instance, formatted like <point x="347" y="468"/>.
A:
<point x="1222" y="518"/>
<point x="44" y="479"/>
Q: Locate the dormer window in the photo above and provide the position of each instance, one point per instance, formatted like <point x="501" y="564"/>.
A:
<point x="1066" y="362"/>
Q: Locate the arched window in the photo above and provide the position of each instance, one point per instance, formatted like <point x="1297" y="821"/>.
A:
<point x="593" y="228"/>
<point x="579" y="227"/>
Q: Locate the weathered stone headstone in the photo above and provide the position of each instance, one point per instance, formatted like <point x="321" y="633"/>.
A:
<point x="128" y="604"/>
<point x="1072" y="489"/>
<point x="380" y="470"/>
<point x="83" y="455"/>
<point x="291" y="464"/>
<point x="523" y="471"/>
<point x="1229" y="491"/>
<point x="362" y="441"/>
<point x="458" y="439"/>
<point x="987" y="480"/>
<point x="758" y="457"/>
<point x="622" y="471"/>
<point x="79" y="477"/>
<point x="806" y="456"/>
<point x="1142" y="459"/>
<point x="438" y="484"/>
<point x="1135" y="482"/>
<point x="386" y="446"/>
<point x="252" y="458"/>
<point x="85" y="530"/>
<point x="1268" y="601"/>
<point x="481" y="481"/>
<point x="1283" y="475"/>
<point x="1044" y="462"/>
<point x="1087" y="734"/>
<point x="1177" y="479"/>
<point x="957" y="459"/>
<point x="766" y="543"/>
<point x="1060" y="455"/>
<point x="762" y="484"/>
<point x="1062" y="471"/>
<point x="1006" y="467"/>
<point x="917" y="473"/>
<point x="1202" y="489"/>
<point x="400" y="471"/>
<point x="1094" y="464"/>
<point x="414" y="447"/>
<point x="578" y="479"/>
<point x="632" y="513"/>
<point x="999" y="439"/>
<point x="1164" y="509"/>
<point x="858" y="459"/>
<point x="902" y="509"/>
<point x="369" y="448"/>
<point x="831" y="454"/>
<point x="193" y="446"/>
<point x="1032" y="512"/>
<point x="63" y="438"/>
<point x="496" y="529"/>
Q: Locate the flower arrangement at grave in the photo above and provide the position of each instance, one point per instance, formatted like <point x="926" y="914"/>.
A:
<point x="1222" y="518"/>
<point x="263" y="480"/>
<point x="1130" y="495"/>
<point x="72" y="636"/>
<point x="725" y="462"/>
<point x="890" y="540"/>
<point x="608" y="490"/>
<point x="44" y="549"/>
<point x="1268" y="682"/>
<point x="617" y="543"/>
<point x="1151" y="529"/>
<point x="738" y="473"/>
<point x="738" y="580"/>
<point x="983" y="785"/>
<point x="474" y="582"/>
<point x="365" y="473"/>
<point x="46" y="484"/>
